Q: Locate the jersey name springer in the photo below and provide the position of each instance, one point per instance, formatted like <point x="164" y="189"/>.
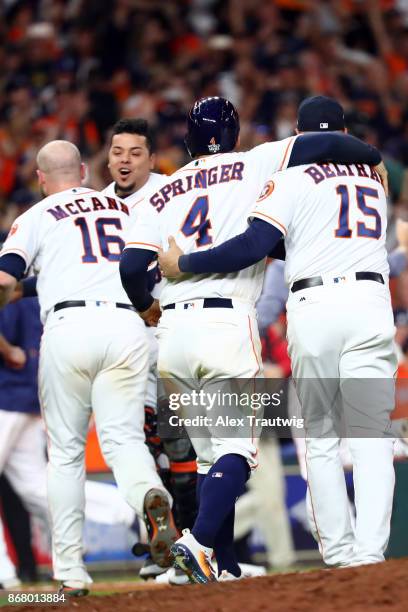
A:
<point x="86" y="205"/>
<point x="199" y="179"/>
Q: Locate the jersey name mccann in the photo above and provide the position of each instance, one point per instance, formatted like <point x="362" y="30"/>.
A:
<point x="86" y="205"/>
<point x="73" y="241"/>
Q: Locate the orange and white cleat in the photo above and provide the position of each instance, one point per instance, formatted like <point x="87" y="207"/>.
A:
<point x="160" y="526"/>
<point x="193" y="558"/>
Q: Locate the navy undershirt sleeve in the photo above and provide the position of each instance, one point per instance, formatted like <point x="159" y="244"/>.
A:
<point x="29" y="286"/>
<point x="135" y="277"/>
<point x="236" y="254"/>
<point x="339" y="147"/>
<point x="279" y="251"/>
<point x="13" y="264"/>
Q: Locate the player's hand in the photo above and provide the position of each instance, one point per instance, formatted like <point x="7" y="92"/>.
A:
<point x="15" y="358"/>
<point x="168" y="260"/>
<point x="17" y="293"/>
<point x="382" y="171"/>
<point x="401" y="229"/>
<point x="152" y="315"/>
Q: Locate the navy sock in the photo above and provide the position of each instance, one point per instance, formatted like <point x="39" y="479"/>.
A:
<point x="224" y="483"/>
<point x="224" y="546"/>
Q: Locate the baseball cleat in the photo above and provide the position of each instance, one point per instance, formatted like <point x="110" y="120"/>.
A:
<point x="173" y="576"/>
<point x="73" y="588"/>
<point x="225" y="576"/>
<point x="160" y="526"/>
<point x="8" y="584"/>
<point x="252" y="571"/>
<point x="150" y="569"/>
<point x="193" y="559"/>
<point x="247" y="571"/>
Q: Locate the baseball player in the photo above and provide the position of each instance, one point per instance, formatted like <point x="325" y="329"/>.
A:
<point x="340" y="330"/>
<point x="205" y="202"/>
<point x="22" y="436"/>
<point x="131" y="161"/>
<point x="93" y="353"/>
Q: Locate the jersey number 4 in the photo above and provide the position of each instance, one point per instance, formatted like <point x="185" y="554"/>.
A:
<point x="197" y="222"/>
<point x="106" y="241"/>
<point x="344" y="230"/>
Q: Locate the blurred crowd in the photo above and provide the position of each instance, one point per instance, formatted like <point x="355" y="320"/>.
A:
<point x="70" y="68"/>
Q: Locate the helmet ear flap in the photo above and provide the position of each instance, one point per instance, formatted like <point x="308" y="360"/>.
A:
<point x="189" y="145"/>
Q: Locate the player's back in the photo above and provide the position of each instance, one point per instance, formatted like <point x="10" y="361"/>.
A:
<point x="79" y="243"/>
<point x="206" y="203"/>
<point x="335" y="219"/>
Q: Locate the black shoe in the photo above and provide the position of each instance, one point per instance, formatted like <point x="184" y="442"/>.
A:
<point x="160" y="526"/>
<point x="150" y="569"/>
<point x="73" y="588"/>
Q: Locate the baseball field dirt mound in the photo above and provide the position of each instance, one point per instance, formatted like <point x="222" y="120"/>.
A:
<point x="379" y="588"/>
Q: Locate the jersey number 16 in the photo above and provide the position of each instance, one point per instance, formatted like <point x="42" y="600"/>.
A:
<point x="106" y="241"/>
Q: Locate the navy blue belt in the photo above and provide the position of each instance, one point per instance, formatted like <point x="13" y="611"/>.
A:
<point x="316" y="281"/>
<point x="207" y="303"/>
<point x="82" y="304"/>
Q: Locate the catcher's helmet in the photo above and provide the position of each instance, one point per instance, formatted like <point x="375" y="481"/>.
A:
<point x="212" y="127"/>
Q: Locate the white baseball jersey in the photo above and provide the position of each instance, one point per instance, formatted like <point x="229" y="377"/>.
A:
<point x="73" y="241"/>
<point x="202" y="205"/>
<point x="155" y="181"/>
<point x="333" y="217"/>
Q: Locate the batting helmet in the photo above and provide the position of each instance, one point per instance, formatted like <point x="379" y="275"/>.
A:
<point x="212" y="127"/>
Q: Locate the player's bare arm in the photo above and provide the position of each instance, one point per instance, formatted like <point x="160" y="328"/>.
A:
<point x="12" y="268"/>
<point x="14" y="357"/>
<point x="24" y="288"/>
<point x="382" y="171"/>
<point x="152" y="315"/>
<point x="169" y="260"/>
<point x="402" y="235"/>
<point x="7" y="284"/>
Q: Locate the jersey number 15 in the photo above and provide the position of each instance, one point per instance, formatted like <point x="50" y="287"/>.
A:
<point x="344" y="230"/>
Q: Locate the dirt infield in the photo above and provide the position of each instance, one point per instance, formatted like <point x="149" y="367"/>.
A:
<point x="380" y="588"/>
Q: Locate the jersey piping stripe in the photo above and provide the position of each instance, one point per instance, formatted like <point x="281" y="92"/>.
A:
<point x="313" y="510"/>
<point x="257" y="372"/>
<point x="286" y="152"/>
<point x="145" y="244"/>
<point x="253" y="347"/>
<point x="17" y="252"/>
<point x="136" y="203"/>
<point x="256" y="213"/>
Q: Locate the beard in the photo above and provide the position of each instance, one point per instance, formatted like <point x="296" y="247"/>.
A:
<point x="124" y="192"/>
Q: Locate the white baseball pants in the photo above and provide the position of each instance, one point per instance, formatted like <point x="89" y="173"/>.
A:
<point x="198" y="347"/>
<point x="340" y="336"/>
<point x="92" y="358"/>
<point x="23" y="461"/>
